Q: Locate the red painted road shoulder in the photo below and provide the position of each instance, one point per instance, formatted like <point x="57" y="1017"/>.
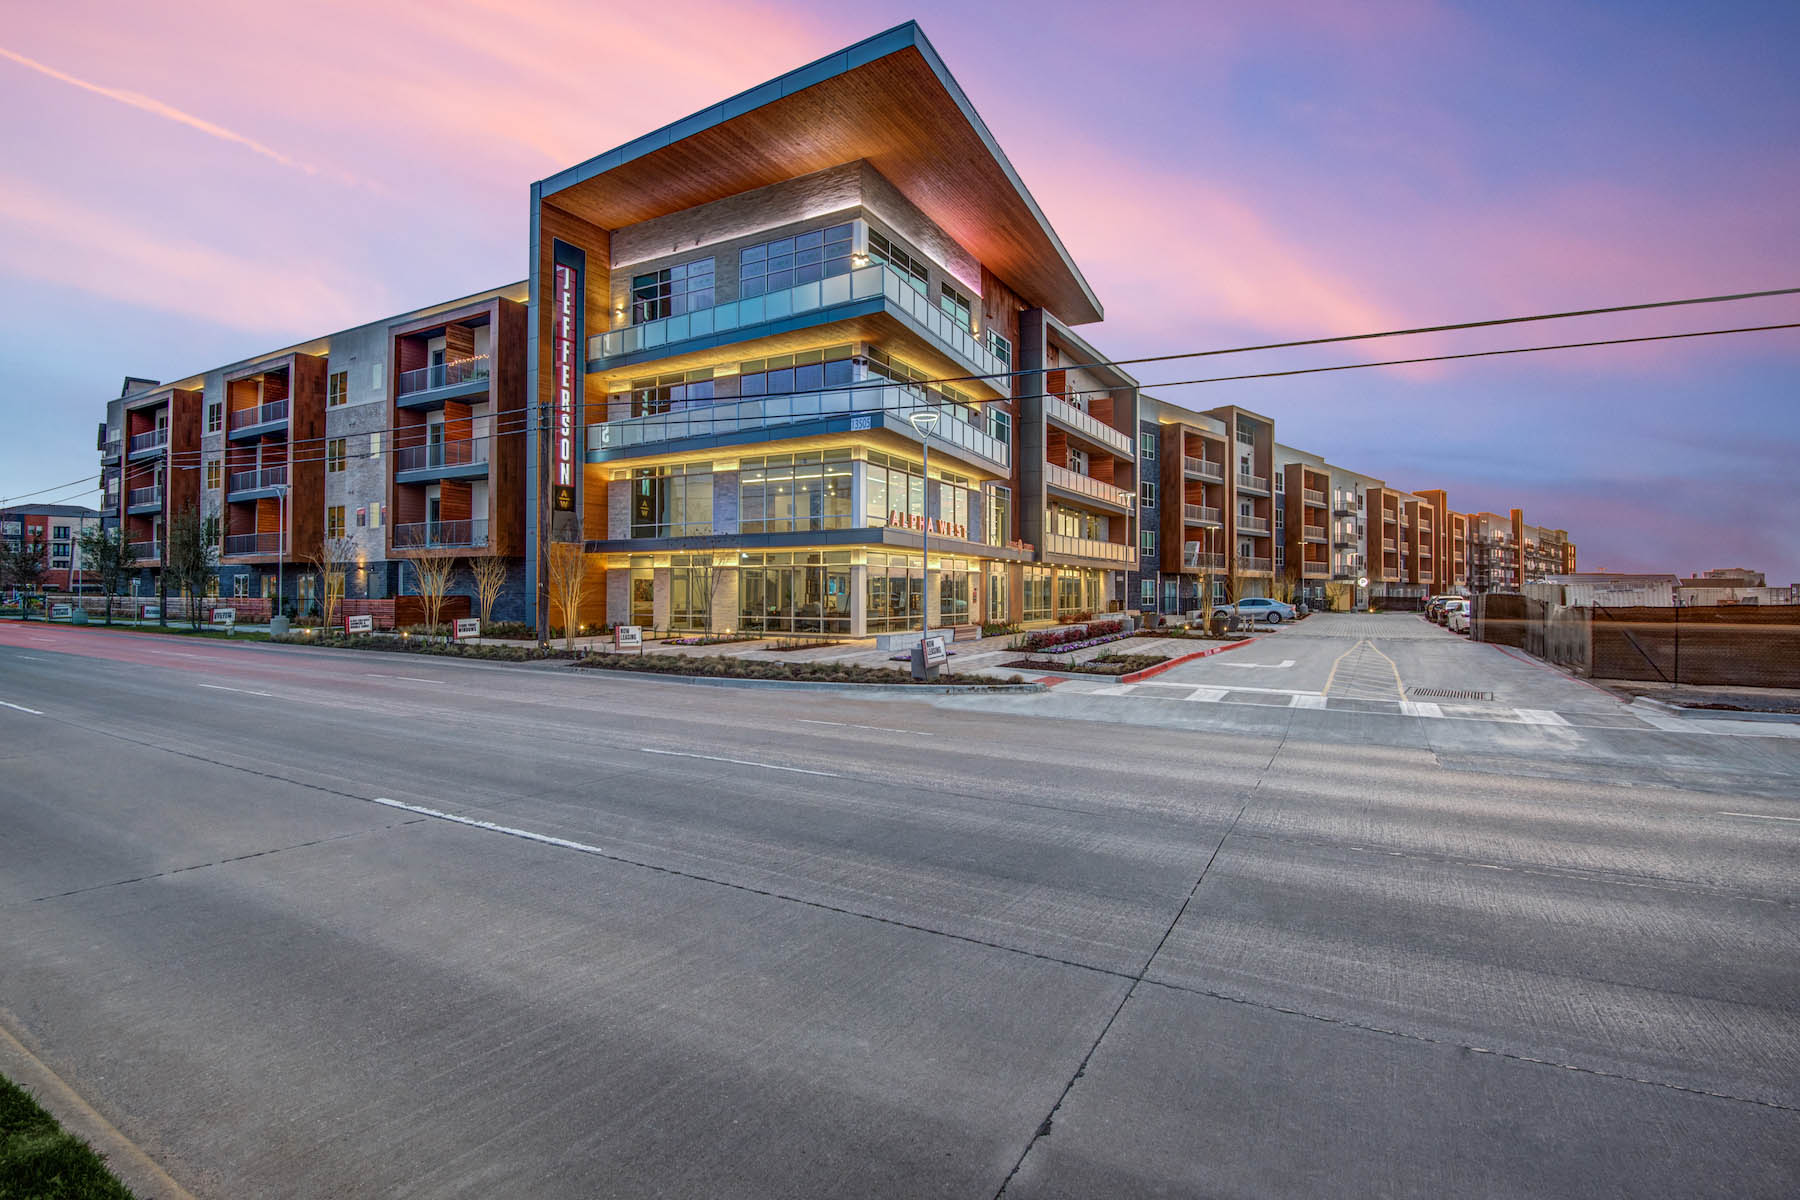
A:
<point x="1159" y="668"/>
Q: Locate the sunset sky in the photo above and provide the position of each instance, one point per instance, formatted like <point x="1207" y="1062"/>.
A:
<point x="187" y="184"/>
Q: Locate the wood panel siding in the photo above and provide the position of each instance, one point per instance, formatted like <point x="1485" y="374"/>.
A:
<point x="306" y="453"/>
<point x="507" y="495"/>
<point x="185" y="474"/>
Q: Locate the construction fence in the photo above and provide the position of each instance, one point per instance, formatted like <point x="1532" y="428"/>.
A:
<point x="1735" y="645"/>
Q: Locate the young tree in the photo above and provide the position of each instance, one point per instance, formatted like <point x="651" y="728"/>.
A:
<point x="490" y="578"/>
<point x="432" y="570"/>
<point x="22" y="567"/>
<point x="330" y="565"/>
<point x="108" y="553"/>
<point x="193" y="557"/>
<point x="567" y="576"/>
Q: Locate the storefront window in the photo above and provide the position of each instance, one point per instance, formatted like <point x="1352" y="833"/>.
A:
<point x="795" y="593"/>
<point x="691" y="583"/>
<point x="998" y="594"/>
<point x="997" y="518"/>
<point x="1068" y="593"/>
<point x="781" y="493"/>
<point x="672" y="501"/>
<point x="1037" y="594"/>
<point x="643" y="595"/>
<point x="955" y="582"/>
<point x="896" y="592"/>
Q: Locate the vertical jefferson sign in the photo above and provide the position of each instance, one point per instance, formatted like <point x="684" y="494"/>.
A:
<point x="565" y="329"/>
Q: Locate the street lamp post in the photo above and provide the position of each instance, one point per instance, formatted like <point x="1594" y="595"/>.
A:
<point x="924" y="420"/>
<point x="281" y="494"/>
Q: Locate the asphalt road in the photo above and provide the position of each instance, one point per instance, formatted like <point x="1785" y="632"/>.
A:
<point x="304" y="923"/>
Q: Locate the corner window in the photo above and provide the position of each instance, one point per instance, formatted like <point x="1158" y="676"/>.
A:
<point x="910" y="268"/>
<point x="672" y="292"/>
<point x="804" y="258"/>
<point x="955" y="304"/>
<point x="999" y="347"/>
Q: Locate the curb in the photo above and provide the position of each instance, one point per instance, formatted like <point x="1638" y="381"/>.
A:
<point x="1682" y="712"/>
<point x="904" y="689"/>
<point x="1159" y="668"/>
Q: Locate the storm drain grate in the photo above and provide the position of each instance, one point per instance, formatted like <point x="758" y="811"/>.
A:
<point x="1449" y="694"/>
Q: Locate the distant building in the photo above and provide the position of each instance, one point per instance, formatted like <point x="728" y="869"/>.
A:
<point x="60" y="526"/>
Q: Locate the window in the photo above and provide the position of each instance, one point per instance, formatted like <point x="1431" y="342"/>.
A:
<point x="997" y="516"/>
<point x="213" y="471"/>
<point x="337" y="389"/>
<point x="804" y="592"/>
<point x="672" y="501"/>
<point x="910" y="268"/>
<point x="334" y="521"/>
<point x="334" y="456"/>
<point x="999" y="347"/>
<point x="1146" y="593"/>
<point x="895" y="592"/>
<point x="998" y="593"/>
<point x="215" y="417"/>
<point x="59" y="533"/>
<point x="782" y="493"/>
<point x="1147" y="541"/>
<point x="1037" y="593"/>
<point x="1147" y="495"/>
<point x="1147" y="446"/>
<point x="374" y="445"/>
<point x="374" y="516"/>
<point x="672" y="292"/>
<point x="671" y="393"/>
<point x="955" y="304"/>
<point x="804" y="258"/>
<point x="807" y="371"/>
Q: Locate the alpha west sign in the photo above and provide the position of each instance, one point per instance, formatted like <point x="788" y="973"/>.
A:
<point x="900" y="520"/>
<point x="563" y="322"/>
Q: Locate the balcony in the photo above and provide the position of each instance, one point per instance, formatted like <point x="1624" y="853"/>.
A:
<point x="429" y="387"/>
<point x="143" y="445"/>
<point x="1199" y="514"/>
<point x="247" y="423"/>
<point x="1253" y="483"/>
<point x="1313" y="497"/>
<point x="1253" y="524"/>
<point x="441" y="535"/>
<point x="1195" y="558"/>
<point x="865" y="288"/>
<point x="461" y="458"/>
<point x="1312" y="533"/>
<point x="1200" y="468"/>
<point x="772" y="418"/>
<point x="1346" y="508"/>
<point x="255" y="485"/>
<point x="144" y="500"/>
<point x="1077" y="547"/>
<point x="1255" y="566"/>
<point x="110" y="450"/>
<point x="1388" y="518"/>
<point x="1313" y="568"/>
<point x="1077" y="484"/>
<point x="238" y="545"/>
<point x="1345" y="541"/>
<point x="1086" y="425"/>
<point x="146" y="551"/>
<point x="1389" y="545"/>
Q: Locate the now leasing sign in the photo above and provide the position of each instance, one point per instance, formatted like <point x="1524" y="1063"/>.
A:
<point x="467" y="627"/>
<point x="362" y="624"/>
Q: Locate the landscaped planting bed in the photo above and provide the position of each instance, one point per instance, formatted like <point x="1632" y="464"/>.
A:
<point x="743" y="668"/>
<point x="1105" y="664"/>
<point x="1076" y="637"/>
<point x="427" y="645"/>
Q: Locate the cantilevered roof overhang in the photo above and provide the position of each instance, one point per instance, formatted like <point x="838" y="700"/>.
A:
<point x="889" y="100"/>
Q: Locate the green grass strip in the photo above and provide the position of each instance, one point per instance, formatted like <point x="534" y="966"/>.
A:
<point x="38" y="1161"/>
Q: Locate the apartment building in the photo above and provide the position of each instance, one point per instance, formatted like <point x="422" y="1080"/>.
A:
<point x="396" y="438"/>
<point x="1505" y="552"/>
<point x="58" y="528"/>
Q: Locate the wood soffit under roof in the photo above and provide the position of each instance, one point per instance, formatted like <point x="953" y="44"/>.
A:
<point x="896" y="112"/>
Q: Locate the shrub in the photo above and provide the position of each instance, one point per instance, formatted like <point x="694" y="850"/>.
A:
<point x="999" y="629"/>
<point x="506" y="629"/>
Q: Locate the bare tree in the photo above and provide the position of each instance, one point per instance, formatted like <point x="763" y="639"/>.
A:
<point x="490" y="578"/>
<point x="432" y="570"/>
<point x="193" y="557"/>
<point x="330" y="564"/>
<point x="109" y="554"/>
<point x="567" y="577"/>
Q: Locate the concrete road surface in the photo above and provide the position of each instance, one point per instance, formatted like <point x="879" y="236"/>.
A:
<point x="314" y="923"/>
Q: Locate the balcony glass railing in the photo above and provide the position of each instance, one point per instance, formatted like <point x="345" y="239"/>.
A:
<point x="1200" y="468"/>
<point x="432" y="535"/>
<point x="251" y="481"/>
<point x="1200" y="514"/>
<point x="444" y="374"/>
<point x="1249" y="563"/>
<point x="1195" y="557"/>
<point x="146" y="551"/>
<point x="1253" y="524"/>
<point x="141" y="496"/>
<point x="460" y="452"/>
<point x="1088" y="425"/>
<point x="110" y="449"/>
<point x="262" y="414"/>
<point x="1082" y="485"/>
<point x="149" y="441"/>
<point x="253" y="543"/>
<point x="731" y="417"/>
<point x="1253" y="483"/>
<point x="865" y="283"/>
<point x="1076" y="547"/>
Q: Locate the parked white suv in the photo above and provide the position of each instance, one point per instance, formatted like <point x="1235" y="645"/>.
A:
<point x="1456" y="615"/>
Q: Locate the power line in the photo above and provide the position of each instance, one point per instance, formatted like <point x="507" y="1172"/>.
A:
<point x="59" y="487"/>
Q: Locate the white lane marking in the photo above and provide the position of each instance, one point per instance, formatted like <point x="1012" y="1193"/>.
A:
<point x="1114" y="689"/>
<point x="508" y="830"/>
<point x="219" y="687"/>
<point x="741" y="762"/>
<point x="1208" y="695"/>
<point x="1306" y="700"/>
<point x="9" y="704"/>
<point x="1539" y="716"/>
<point x="30" y="658"/>
<point x="1283" y="665"/>
<point x="1422" y="708"/>
<point x="876" y="728"/>
<point x="408" y="678"/>
<point x="1760" y="816"/>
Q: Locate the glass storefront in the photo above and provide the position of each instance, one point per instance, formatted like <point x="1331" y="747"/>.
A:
<point x="999" y="594"/>
<point x="896" y="592"/>
<point x="1037" y="594"/>
<point x="802" y="592"/>
<point x="643" y="593"/>
<point x="781" y="493"/>
<point x="692" y="578"/>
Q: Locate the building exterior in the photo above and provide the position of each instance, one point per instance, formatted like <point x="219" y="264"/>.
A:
<point x="763" y="357"/>
<point x="59" y="527"/>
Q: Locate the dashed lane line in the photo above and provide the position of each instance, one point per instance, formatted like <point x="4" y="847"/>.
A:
<point x="20" y="707"/>
<point x="740" y="762"/>
<point x="219" y="687"/>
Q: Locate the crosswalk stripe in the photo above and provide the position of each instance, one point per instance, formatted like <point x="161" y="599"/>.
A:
<point x="1303" y="700"/>
<point x="1208" y="695"/>
<point x="1539" y="716"/>
<point x="1420" y="708"/>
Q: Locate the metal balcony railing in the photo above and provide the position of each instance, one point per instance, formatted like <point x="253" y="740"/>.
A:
<point x="1200" y="514"/>
<point x="1253" y="524"/>
<point x="1082" y="485"/>
<point x="253" y="543"/>
<point x="1253" y="483"/>
<point x="250" y="481"/>
<point x="1312" y="533"/>
<point x="1060" y="410"/>
<point x="1076" y="547"/>
<point x="141" y="496"/>
<point x="1390" y="545"/>
<point x="262" y="414"/>
<point x="1346" y="508"/>
<point x="149" y="441"/>
<point x="1249" y="563"/>
<point x="1200" y="468"/>
<point x="445" y="374"/>
<point x="1311" y="496"/>
<point x="1195" y="558"/>
<point x="111" y="449"/>
<point x="146" y="551"/>
<point x="1388" y="518"/>
<point x="459" y="452"/>
<point x="432" y="535"/>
